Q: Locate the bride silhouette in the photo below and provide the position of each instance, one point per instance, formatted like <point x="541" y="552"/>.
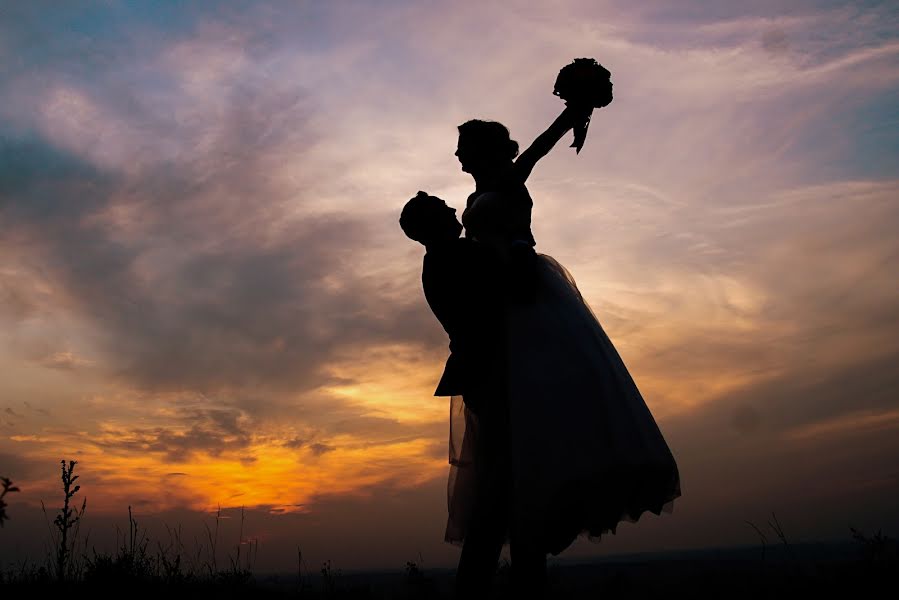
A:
<point x="568" y="446"/>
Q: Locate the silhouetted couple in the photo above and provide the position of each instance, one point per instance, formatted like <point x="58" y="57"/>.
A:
<point x="549" y="436"/>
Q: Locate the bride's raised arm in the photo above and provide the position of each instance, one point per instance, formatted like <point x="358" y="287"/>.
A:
<point x="583" y="85"/>
<point x="541" y="146"/>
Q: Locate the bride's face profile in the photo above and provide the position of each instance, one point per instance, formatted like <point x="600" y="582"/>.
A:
<point x="472" y="155"/>
<point x="466" y="154"/>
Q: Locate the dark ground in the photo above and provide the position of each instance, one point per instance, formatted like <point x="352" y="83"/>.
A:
<point x="783" y="571"/>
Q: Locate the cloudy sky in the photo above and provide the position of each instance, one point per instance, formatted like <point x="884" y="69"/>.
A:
<point x="206" y="300"/>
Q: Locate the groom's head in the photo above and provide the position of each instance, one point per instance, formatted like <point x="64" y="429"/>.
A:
<point x="428" y="220"/>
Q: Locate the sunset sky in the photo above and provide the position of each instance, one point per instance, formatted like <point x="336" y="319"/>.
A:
<point x="206" y="299"/>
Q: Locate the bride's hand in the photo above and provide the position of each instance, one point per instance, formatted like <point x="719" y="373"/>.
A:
<point x="577" y="114"/>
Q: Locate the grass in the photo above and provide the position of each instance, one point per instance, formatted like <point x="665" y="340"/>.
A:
<point x="143" y="568"/>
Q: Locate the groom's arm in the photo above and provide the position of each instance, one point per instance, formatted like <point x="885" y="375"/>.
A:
<point x="439" y="293"/>
<point x="446" y="282"/>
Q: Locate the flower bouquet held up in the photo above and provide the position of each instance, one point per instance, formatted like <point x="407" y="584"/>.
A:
<point x="584" y="85"/>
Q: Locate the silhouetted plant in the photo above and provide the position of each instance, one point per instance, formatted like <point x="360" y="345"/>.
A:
<point x="778" y="530"/>
<point x="7" y="488"/>
<point x="418" y="584"/>
<point x="329" y="579"/>
<point x="212" y="566"/>
<point x="134" y="556"/>
<point x="134" y="562"/>
<point x="239" y="573"/>
<point x="172" y="569"/>
<point x="878" y="550"/>
<point x="762" y="537"/>
<point x="236" y="574"/>
<point x="413" y="573"/>
<point x="302" y="582"/>
<point x="67" y="521"/>
<point x="774" y="524"/>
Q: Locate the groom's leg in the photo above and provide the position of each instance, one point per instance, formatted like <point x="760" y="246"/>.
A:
<point x="528" y="566"/>
<point x="489" y="520"/>
<point x="480" y="554"/>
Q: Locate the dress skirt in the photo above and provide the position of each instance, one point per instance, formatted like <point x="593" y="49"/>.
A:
<point x="580" y="450"/>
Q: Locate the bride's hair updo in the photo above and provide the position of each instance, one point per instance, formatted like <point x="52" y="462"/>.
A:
<point x="490" y="137"/>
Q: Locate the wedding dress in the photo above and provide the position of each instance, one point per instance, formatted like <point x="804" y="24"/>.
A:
<point x="582" y="449"/>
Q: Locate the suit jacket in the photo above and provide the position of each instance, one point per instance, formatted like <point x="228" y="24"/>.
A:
<point x="459" y="285"/>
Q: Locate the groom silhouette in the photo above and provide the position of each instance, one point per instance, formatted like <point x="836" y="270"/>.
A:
<point x="461" y="286"/>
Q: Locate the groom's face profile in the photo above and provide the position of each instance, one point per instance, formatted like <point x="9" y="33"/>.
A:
<point x="443" y="219"/>
<point x="429" y="220"/>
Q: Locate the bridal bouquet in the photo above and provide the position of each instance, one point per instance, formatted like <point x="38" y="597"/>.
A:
<point x="584" y="85"/>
